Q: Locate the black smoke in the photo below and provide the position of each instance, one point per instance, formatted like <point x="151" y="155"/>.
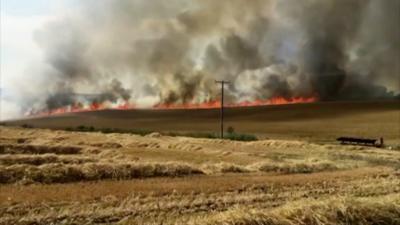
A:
<point x="173" y="51"/>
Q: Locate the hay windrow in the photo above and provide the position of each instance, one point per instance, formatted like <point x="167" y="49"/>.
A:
<point x="224" y="168"/>
<point x="38" y="149"/>
<point x="61" y="173"/>
<point x="296" y="167"/>
<point x="111" y="145"/>
<point x="373" y="211"/>
<point x="11" y="159"/>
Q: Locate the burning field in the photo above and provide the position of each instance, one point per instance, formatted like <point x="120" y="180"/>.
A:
<point x="315" y="122"/>
<point x="118" y="121"/>
<point x="168" y="55"/>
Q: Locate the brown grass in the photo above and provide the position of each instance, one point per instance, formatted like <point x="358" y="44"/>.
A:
<point x="90" y="191"/>
<point x="317" y="122"/>
<point x="241" y="183"/>
<point x="37" y="160"/>
<point x="37" y="149"/>
<point x="200" y="200"/>
<point x="61" y="173"/>
<point x="296" y="167"/>
<point x="373" y="211"/>
<point x="224" y="168"/>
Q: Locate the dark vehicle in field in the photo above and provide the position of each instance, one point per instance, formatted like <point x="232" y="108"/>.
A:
<point x="360" y="141"/>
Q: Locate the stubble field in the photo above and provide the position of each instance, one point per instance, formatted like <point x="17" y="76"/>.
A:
<point x="61" y="177"/>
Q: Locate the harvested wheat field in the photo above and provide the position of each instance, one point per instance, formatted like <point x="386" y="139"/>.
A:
<point x="319" y="122"/>
<point x="200" y="112"/>
<point x="64" y="177"/>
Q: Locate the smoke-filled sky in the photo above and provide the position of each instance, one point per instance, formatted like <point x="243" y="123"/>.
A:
<point x="172" y="51"/>
<point x="20" y="54"/>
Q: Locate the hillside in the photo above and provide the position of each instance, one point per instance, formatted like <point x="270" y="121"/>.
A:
<point x="321" y="122"/>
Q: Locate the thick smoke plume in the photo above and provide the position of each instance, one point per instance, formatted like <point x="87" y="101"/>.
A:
<point x="162" y="52"/>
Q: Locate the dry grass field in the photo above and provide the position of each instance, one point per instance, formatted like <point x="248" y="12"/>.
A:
<point x="298" y="175"/>
<point x="321" y="122"/>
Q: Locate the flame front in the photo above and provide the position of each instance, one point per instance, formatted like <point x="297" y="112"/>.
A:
<point x="277" y="101"/>
<point x="95" y="106"/>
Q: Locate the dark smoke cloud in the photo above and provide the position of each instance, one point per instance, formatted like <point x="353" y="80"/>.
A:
<point x="64" y="96"/>
<point x="173" y="51"/>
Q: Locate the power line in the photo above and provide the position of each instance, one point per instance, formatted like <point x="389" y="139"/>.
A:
<point x="222" y="82"/>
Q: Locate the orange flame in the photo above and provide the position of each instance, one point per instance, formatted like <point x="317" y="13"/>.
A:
<point x="205" y="105"/>
<point x="277" y="101"/>
<point x="95" y="106"/>
<point x="79" y="107"/>
<point x="217" y="104"/>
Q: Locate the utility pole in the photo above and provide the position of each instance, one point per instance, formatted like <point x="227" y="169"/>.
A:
<point x="222" y="82"/>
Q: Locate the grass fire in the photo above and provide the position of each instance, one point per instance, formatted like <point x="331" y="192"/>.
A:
<point x="197" y="112"/>
<point x="95" y="106"/>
